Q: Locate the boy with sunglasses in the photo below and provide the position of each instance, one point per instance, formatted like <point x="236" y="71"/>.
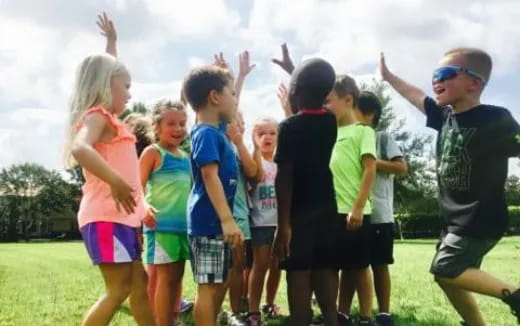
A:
<point x="474" y="144"/>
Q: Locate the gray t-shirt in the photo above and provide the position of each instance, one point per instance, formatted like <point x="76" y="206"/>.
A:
<point x="383" y="191"/>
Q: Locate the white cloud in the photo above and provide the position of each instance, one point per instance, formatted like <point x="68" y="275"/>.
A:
<point x="159" y="40"/>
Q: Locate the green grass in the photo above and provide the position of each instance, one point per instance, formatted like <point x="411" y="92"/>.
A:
<point x="54" y="284"/>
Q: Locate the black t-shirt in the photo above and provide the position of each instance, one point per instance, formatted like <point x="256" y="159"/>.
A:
<point x="473" y="149"/>
<point x="306" y="141"/>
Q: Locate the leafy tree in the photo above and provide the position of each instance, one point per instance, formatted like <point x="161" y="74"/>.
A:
<point x="513" y="190"/>
<point x="30" y="193"/>
<point x="137" y="107"/>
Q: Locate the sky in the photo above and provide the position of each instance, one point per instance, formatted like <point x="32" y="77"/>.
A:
<point x="43" y="41"/>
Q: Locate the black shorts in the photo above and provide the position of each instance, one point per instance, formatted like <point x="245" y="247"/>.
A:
<point x="457" y="253"/>
<point x="352" y="247"/>
<point x="312" y="244"/>
<point x="381" y="244"/>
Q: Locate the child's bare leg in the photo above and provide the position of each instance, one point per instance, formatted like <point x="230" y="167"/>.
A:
<point x="325" y="285"/>
<point x="152" y="283"/>
<point x="139" y="302"/>
<point x="365" y="292"/>
<point x="475" y="280"/>
<point x="236" y="278"/>
<point x="299" y="293"/>
<point x="164" y="295"/>
<point x="347" y="289"/>
<point x="178" y="275"/>
<point x="118" y="284"/>
<point x="262" y="256"/>
<point x="207" y="303"/>
<point x="464" y="303"/>
<point x="383" y="286"/>
<point x="273" y="282"/>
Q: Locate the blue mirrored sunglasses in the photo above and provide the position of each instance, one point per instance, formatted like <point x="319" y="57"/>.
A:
<point x="449" y="72"/>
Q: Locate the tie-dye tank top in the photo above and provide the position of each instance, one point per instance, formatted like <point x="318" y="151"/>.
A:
<point x="167" y="190"/>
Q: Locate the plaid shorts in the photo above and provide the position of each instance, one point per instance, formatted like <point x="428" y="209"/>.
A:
<point x="210" y="259"/>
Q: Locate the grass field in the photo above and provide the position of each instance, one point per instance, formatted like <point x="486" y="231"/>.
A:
<point x="54" y="284"/>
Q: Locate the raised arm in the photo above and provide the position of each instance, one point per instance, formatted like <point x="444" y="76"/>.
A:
<point x="109" y="32"/>
<point x="413" y="94"/>
<point x="248" y="163"/>
<point x="244" y="69"/>
<point x="283" y="96"/>
<point x="286" y="62"/>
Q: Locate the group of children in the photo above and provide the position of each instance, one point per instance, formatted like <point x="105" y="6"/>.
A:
<point x="314" y="198"/>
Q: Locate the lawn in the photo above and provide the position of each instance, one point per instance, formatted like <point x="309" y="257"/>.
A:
<point x="54" y="284"/>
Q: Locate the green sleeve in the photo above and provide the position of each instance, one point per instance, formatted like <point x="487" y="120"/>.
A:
<point x="367" y="142"/>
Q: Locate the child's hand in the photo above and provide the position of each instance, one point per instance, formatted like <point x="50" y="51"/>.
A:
<point x="286" y="62"/>
<point x="256" y="138"/>
<point x="149" y="220"/>
<point x="107" y="28"/>
<point x="232" y="233"/>
<point x="383" y="69"/>
<point x="245" y="66"/>
<point x="354" y="220"/>
<point x="283" y="96"/>
<point x="234" y="134"/>
<point x="123" y="195"/>
<point x="220" y="61"/>
<point x="282" y="243"/>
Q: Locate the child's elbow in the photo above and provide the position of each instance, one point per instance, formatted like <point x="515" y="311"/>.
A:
<point x="404" y="169"/>
<point x="77" y="150"/>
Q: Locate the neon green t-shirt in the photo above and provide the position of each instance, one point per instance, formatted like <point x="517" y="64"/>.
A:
<point x="353" y="142"/>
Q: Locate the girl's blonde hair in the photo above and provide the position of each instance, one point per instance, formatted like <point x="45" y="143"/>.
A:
<point x="161" y="107"/>
<point x="266" y="121"/>
<point x="91" y="88"/>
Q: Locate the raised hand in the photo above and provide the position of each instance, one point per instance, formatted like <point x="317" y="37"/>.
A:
<point x="234" y="134"/>
<point x="283" y="96"/>
<point x="286" y="62"/>
<point x="220" y="61"/>
<point x="109" y="32"/>
<point x="383" y="69"/>
<point x="245" y="66"/>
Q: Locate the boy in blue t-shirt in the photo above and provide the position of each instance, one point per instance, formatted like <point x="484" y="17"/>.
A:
<point x="211" y="226"/>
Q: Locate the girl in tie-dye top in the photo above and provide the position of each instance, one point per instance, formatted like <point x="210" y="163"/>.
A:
<point x="166" y="176"/>
<point x="112" y="206"/>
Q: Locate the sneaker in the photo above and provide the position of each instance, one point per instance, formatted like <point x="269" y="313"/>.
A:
<point x="223" y="318"/>
<point x="365" y="322"/>
<point x="271" y="310"/>
<point x="236" y="319"/>
<point x="186" y="306"/>
<point x="317" y="321"/>
<point x="513" y="300"/>
<point x="344" y="320"/>
<point x="384" y="320"/>
<point x="254" y="319"/>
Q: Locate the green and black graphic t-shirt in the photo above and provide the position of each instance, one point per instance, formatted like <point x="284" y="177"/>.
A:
<point x="473" y="149"/>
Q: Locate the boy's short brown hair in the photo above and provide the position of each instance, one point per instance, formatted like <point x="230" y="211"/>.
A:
<point x="201" y="81"/>
<point x="346" y="85"/>
<point x="474" y="59"/>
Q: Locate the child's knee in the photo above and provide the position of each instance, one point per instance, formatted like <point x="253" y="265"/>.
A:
<point x="119" y="293"/>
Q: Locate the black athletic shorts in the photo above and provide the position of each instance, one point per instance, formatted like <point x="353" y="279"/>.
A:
<point x="312" y="244"/>
<point x="381" y="244"/>
<point x="353" y="247"/>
